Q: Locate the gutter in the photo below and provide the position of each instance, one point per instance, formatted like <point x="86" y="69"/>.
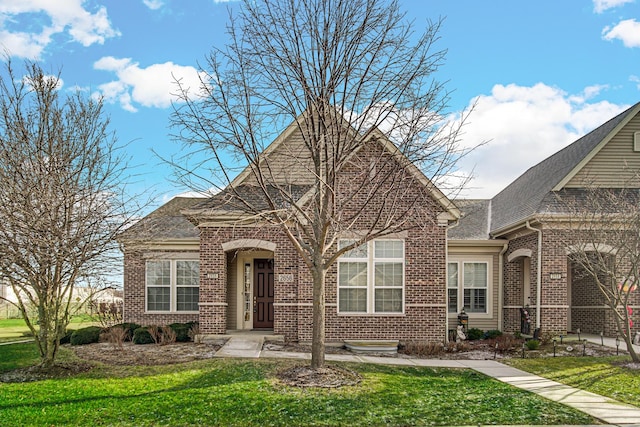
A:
<point x="539" y="273"/>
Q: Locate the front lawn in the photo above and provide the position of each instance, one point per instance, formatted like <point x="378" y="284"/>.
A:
<point x="16" y="329"/>
<point x="606" y="376"/>
<point x="245" y="393"/>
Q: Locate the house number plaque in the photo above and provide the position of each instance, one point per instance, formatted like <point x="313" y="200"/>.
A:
<point x="285" y="277"/>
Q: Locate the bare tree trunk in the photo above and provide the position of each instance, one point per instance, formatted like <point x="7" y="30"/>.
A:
<point x="318" y="344"/>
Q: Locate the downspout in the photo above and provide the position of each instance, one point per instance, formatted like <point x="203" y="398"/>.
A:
<point x="501" y="286"/>
<point x="446" y="280"/>
<point x="539" y="273"/>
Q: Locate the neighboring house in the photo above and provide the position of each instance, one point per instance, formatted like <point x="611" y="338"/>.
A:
<point x="190" y="260"/>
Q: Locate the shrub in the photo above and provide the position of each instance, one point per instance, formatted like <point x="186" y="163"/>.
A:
<point x="86" y="335"/>
<point x="66" y="338"/>
<point x="474" y="334"/>
<point x="182" y="331"/>
<point x="128" y="328"/>
<point x="142" y="336"/>
<point x="155" y="331"/>
<point x="422" y="348"/>
<point x="167" y="336"/>
<point x="508" y="342"/>
<point x="194" y="332"/>
<point x="493" y="333"/>
<point x="532" y="344"/>
<point x="115" y="335"/>
<point x="453" y="347"/>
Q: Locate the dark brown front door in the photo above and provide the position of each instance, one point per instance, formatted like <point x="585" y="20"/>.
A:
<point x="263" y="294"/>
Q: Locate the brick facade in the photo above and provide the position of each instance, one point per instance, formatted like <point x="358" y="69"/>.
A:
<point x="570" y="300"/>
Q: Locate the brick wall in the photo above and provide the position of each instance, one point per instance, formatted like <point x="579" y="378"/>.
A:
<point x="134" y="295"/>
<point x="558" y="274"/>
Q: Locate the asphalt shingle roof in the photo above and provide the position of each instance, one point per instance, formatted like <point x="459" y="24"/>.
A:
<point x="166" y="222"/>
<point x="528" y="194"/>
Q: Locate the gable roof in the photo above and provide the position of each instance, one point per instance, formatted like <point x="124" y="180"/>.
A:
<point x="288" y="156"/>
<point x="166" y="223"/>
<point x="526" y="195"/>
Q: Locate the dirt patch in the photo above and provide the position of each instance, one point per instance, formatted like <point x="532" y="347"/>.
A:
<point x="35" y="373"/>
<point x="327" y="377"/>
<point x="148" y="354"/>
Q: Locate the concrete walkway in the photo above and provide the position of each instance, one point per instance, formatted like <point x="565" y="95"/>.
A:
<point x="607" y="410"/>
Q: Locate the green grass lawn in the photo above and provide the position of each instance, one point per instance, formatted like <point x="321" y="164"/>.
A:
<point x="600" y="375"/>
<point x="16" y="329"/>
<point x="244" y="393"/>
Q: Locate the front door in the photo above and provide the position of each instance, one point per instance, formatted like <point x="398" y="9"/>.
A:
<point x="263" y="294"/>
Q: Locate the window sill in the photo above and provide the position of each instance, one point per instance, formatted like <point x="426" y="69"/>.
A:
<point x="171" y="312"/>
<point x="371" y="314"/>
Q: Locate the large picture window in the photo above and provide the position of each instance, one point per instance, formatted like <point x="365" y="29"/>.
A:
<point x="468" y="281"/>
<point x="371" y="277"/>
<point x="172" y="285"/>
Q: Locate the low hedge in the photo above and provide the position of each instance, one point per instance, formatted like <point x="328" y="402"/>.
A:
<point x="66" y="338"/>
<point x="129" y="328"/>
<point x="182" y="331"/>
<point x="87" y="335"/>
<point x="142" y="336"/>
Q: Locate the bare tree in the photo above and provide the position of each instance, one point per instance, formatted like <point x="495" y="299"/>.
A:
<point x="339" y="72"/>
<point x="62" y="199"/>
<point x="603" y="238"/>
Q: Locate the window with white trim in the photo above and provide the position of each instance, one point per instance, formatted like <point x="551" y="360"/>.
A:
<point x="452" y="286"/>
<point x="172" y="285"/>
<point x="371" y="277"/>
<point x="468" y="281"/>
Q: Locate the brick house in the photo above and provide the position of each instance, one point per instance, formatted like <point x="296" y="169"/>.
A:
<point x="500" y="259"/>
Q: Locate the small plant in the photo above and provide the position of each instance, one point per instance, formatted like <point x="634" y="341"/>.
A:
<point x="491" y="334"/>
<point x="116" y="336"/>
<point x="194" y="333"/>
<point x="507" y="342"/>
<point x="142" y="336"/>
<point x="88" y="335"/>
<point x="532" y="344"/>
<point x="474" y="334"/>
<point x="423" y="348"/>
<point x="453" y="347"/>
<point x="167" y="336"/>
<point x="129" y="327"/>
<point x="182" y="331"/>
<point x="156" y="333"/>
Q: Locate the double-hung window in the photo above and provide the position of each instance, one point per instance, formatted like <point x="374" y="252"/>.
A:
<point x="371" y="277"/>
<point x="468" y="282"/>
<point x="172" y="285"/>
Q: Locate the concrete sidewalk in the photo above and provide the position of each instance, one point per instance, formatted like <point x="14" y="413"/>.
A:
<point x="607" y="410"/>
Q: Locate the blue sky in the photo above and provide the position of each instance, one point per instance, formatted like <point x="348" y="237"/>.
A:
<point x="543" y="73"/>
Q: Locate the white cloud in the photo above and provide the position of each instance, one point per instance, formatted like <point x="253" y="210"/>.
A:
<point x="600" y="6"/>
<point x="153" y="4"/>
<point x="149" y="87"/>
<point x="523" y="126"/>
<point x="628" y="31"/>
<point x="69" y="16"/>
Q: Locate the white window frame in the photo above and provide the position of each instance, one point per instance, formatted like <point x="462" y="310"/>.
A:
<point x="471" y="259"/>
<point x="371" y="260"/>
<point x="173" y="285"/>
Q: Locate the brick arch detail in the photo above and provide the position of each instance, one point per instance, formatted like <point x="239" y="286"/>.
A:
<point x="519" y="253"/>
<point x="249" y="243"/>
